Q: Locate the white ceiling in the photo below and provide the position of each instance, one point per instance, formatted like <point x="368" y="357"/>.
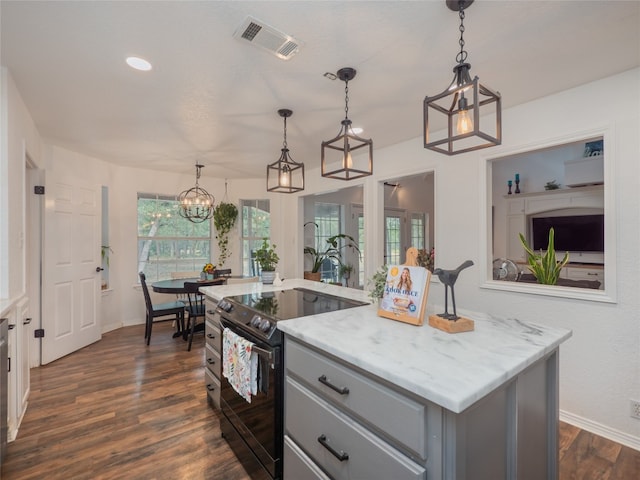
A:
<point x="213" y="99"/>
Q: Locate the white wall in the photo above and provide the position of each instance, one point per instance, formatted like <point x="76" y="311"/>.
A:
<point x="19" y="137"/>
<point x="600" y="364"/>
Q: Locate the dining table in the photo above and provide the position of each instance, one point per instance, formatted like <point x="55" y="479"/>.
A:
<point x="176" y="285"/>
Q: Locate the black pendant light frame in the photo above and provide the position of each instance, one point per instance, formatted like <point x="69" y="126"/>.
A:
<point x="285" y="175"/>
<point x="346" y="142"/>
<point x="196" y="204"/>
<point x="464" y="95"/>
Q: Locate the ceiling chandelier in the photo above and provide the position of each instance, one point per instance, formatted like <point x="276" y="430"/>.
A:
<point x="464" y="104"/>
<point x="285" y="175"/>
<point x="337" y="160"/>
<point x="196" y="204"/>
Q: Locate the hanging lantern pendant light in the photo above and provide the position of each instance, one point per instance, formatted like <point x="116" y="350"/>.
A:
<point x="285" y="175"/>
<point x="462" y="105"/>
<point x="196" y="204"/>
<point x="337" y="159"/>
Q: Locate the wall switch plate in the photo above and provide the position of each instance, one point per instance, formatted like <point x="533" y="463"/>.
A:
<point x="635" y="409"/>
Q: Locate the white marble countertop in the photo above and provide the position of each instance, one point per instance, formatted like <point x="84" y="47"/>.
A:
<point x="451" y="370"/>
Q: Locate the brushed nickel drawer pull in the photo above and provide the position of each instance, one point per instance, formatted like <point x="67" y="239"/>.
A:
<point x="211" y="361"/>
<point x="340" y="390"/>
<point x="210" y="387"/>
<point x="341" y="455"/>
<point x="211" y="336"/>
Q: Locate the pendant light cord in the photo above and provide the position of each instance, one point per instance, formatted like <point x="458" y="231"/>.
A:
<point x="225" y="199"/>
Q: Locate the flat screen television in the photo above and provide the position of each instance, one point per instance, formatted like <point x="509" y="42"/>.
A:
<point x="574" y="233"/>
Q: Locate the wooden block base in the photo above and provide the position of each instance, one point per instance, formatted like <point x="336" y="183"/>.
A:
<point x="463" y="324"/>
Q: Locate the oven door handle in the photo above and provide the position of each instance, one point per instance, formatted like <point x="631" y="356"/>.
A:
<point x="263" y="353"/>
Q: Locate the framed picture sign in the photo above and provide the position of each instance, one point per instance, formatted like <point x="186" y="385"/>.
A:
<point x="405" y="294"/>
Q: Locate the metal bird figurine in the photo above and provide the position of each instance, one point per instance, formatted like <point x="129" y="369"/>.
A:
<point x="448" y="278"/>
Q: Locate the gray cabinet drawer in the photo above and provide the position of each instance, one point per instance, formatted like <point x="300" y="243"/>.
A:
<point x="210" y="308"/>
<point x="390" y="412"/>
<point x="213" y="335"/>
<point x="318" y="428"/>
<point x="213" y="361"/>
<point x="297" y="466"/>
<point x="212" y="384"/>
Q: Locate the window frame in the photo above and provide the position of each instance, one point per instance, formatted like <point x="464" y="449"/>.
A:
<point x="609" y="294"/>
<point x="196" y="263"/>
<point x="252" y="242"/>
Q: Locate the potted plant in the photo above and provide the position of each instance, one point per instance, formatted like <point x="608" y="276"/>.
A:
<point x="378" y="282"/>
<point x="224" y="218"/>
<point x="345" y="272"/>
<point x="546" y="268"/>
<point x="105" y="251"/>
<point x="267" y="258"/>
<point x="426" y="258"/>
<point x="332" y="250"/>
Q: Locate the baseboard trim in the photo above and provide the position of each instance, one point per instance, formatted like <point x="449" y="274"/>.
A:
<point x="602" y="430"/>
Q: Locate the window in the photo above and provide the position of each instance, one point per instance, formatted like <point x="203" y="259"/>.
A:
<point x="360" y="217"/>
<point x="393" y="238"/>
<point x="417" y="230"/>
<point x="168" y="242"/>
<point x="328" y="218"/>
<point x="256" y="225"/>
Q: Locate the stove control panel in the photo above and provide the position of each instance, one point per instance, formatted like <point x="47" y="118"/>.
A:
<point x="260" y="323"/>
<point x="224" y="305"/>
<point x="248" y="319"/>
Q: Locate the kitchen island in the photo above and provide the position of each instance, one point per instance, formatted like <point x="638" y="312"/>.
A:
<point x="368" y="397"/>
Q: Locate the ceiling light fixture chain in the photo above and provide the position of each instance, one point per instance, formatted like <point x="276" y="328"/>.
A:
<point x="462" y="56"/>
<point x="284" y="142"/>
<point x="346" y="99"/>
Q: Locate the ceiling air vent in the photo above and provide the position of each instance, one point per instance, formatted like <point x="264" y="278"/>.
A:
<point x="268" y="38"/>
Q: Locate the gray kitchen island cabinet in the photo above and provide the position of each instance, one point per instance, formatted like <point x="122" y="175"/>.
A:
<point x="369" y="398"/>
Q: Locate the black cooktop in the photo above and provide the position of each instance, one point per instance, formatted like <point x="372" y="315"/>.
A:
<point x="299" y="302"/>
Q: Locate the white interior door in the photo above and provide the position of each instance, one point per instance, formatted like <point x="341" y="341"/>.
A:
<point x="71" y="289"/>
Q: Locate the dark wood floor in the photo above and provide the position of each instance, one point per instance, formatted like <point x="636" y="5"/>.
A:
<point x="121" y="410"/>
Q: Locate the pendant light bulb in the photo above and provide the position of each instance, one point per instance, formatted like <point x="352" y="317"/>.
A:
<point x="285" y="176"/>
<point x="464" y="123"/>
<point x="347" y="161"/>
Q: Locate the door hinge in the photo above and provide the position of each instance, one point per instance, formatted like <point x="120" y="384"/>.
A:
<point x="38" y="333"/>
<point x="38" y="189"/>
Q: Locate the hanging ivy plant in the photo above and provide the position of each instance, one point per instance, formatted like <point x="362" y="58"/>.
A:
<point x="224" y="218"/>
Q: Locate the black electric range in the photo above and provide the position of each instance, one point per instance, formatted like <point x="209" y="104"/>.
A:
<point x="259" y="313"/>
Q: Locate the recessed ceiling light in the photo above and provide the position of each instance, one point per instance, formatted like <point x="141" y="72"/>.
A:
<point x="139" y="63"/>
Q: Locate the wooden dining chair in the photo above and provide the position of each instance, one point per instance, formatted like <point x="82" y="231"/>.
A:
<point x="173" y="310"/>
<point x="222" y="273"/>
<point x="195" y="308"/>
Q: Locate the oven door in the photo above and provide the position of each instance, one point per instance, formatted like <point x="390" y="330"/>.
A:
<point x="259" y="424"/>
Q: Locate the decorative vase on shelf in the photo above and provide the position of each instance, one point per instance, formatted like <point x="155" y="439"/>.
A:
<point x="268" y="276"/>
<point x="203" y="275"/>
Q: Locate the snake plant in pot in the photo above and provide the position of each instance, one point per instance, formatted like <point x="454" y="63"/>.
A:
<point x="545" y="267"/>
